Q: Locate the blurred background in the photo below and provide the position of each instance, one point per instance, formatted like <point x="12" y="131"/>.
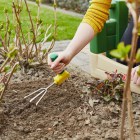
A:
<point x="79" y="6"/>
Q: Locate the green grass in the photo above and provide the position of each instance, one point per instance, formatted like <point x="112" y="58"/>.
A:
<point x="67" y="25"/>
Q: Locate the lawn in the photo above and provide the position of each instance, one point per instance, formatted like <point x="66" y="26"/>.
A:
<point x="67" y="24"/>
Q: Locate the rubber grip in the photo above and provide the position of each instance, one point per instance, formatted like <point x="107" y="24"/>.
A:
<point x="53" y="56"/>
<point x="59" y="78"/>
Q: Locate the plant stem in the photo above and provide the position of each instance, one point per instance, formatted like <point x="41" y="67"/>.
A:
<point x="3" y="65"/>
<point x="19" y="23"/>
<point x="7" y="27"/>
<point x="3" y="43"/>
<point x="55" y="27"/>
<point x="33" y="30"/>
<point x="36" y="30"/>
<point x="6" y="85"/>
<point x="127" y="97"/>
<point x="55" y="20"/>
<point x="38" y="16"/>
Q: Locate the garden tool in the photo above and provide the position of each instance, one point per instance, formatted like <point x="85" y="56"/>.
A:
<point x="58" y="80"/>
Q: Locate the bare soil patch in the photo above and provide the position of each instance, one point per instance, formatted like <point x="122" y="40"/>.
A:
<point x="67" y="112"/>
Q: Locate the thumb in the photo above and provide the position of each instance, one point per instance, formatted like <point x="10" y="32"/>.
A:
<point x="56" y="62"/>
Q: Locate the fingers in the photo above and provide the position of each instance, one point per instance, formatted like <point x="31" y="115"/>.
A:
<point x="56" y="62"/>
<point x="59" y="68"/>
<point x="135" y="77"/>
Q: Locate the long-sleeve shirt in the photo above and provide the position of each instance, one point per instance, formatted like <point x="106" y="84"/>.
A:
<point x="97" y="14"/>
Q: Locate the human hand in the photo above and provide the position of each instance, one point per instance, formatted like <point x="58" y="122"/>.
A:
<point x="62" y="60"/>
<point x="135" y="77"/>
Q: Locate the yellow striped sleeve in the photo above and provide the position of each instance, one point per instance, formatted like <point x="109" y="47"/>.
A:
<point x="97" y="14"/>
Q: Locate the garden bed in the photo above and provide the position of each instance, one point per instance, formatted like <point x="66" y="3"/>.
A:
<point x="68" y="112"/>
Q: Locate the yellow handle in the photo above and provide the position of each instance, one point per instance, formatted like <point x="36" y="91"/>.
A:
<point x="60" y="78"/>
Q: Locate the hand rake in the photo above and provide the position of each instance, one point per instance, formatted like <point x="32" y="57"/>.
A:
<point x="58" y="79"/>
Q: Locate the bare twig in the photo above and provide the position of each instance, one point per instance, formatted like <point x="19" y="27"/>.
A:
<point x="3" y="65"/>
<point x="36" y="30"/>
<point x="19" y="23"/>
<point x="8" y="80"/>
<point x="2" y="53"/>
<point x="7" y="28"/>
<point x="33" y="30"/>
<point x="55" y="20"/>
<point x="55" y="29"/>
<point x="3" y="43"/>
<point x="127" y="97"/>
<point x="38" y="16"/>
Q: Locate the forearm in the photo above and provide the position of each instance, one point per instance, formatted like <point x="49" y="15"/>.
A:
<point x="83" y="36"/>
<point x="92" y="23"/>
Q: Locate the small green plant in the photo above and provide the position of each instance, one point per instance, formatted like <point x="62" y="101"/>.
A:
<point x="111" y="88"/>
<point x="122" y="52"/>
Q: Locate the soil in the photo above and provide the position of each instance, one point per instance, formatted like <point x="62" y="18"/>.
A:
<point x="67" y="112"/>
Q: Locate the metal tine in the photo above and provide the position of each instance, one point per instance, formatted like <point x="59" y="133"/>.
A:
<point x="33" y="93"/>
<point x="41" y="97"/>
<point x="37" y="95"/>
<point x="44" y="93"/>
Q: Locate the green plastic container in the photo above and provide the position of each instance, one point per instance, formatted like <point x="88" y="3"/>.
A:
<point x="113" y="29"/>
